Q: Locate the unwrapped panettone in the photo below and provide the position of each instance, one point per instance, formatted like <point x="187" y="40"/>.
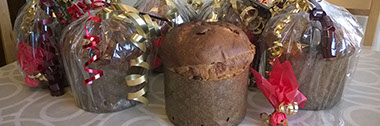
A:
<point x="206" y="73"/>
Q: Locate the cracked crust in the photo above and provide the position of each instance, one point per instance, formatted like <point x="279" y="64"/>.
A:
<point x="207" y="51"/>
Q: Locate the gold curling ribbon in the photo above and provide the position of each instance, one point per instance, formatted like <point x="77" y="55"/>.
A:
<point x="277" y="49"/>
<point x="38" y="76"/>
<point x="216" y="9"/>
<point x="289" y="109"/>
<point x="301" y="5"/>
<point x="247" y="14"/>
<point x="146" y="29"/>
<point x="172" y="12"/>
<point x="196" y="4"/>
<point x="29" y="17"/>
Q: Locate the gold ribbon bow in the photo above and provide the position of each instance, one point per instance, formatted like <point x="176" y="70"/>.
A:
<point x="146" y="29"/>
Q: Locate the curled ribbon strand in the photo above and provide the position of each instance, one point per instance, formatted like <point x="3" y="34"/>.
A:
<point x="94" y="40"/>
<point x="29" y="16"/>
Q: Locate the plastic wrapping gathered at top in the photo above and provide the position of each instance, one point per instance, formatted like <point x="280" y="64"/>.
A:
<point x="37" y="52"/>
<point x="116" y="53"/>
<point x="322" y="47"/>
<point x="168" y="14"/>
<point x="244" y="13"/>
<point x="175" y="11"/>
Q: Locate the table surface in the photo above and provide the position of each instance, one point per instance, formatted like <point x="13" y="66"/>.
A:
<point x="22" y="105"/>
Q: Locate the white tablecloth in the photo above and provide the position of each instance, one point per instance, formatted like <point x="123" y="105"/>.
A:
<point x="21" y="105"/>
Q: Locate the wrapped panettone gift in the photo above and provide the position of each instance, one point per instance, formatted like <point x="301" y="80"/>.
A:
<point x="206" y="66"/>
<point x="322" y="46"/>
<point x="37" y="52"/>
<point x="107" y="55"/>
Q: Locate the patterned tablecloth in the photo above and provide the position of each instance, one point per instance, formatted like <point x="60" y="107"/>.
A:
<point x="24" y="106"/>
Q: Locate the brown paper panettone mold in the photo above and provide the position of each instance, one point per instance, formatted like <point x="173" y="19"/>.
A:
<point x="206" y="74"/>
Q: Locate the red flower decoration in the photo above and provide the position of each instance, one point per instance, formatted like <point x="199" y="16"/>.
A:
<point x="282" y="87"/>
<point x="278" y="118"/>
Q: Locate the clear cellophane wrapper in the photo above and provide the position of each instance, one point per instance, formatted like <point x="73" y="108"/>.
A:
<point x="116" y="52"/>
<point x="37" y="52"/>
<point x="167" y="14"/>
<point x="305" y="43"/>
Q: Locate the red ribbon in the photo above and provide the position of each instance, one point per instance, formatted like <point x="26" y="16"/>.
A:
<point x="80" y="8"/>
<point x="75" y="12"/>
<point x="157" y="44"/>
<point x="60" y="17"/>
<point x="94" y="40"/>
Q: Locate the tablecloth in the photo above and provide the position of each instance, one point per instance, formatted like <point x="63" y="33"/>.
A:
<point x="21" y="105"/>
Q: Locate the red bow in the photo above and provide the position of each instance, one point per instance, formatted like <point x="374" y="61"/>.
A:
<point x="282" y="87"/>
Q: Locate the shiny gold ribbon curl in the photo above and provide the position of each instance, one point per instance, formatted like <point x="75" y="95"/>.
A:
<point x="247" y="14"/>
<point x="29" y="16"/>
<point x="277" y="49"/>
<point x="300" y="5"/>
<point x="196" y="4"/>
<point x="38" y="76"/>
<point x="288" y="109"/>
<point x="146" y="29"/>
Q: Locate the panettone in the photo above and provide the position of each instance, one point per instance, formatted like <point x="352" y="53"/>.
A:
<point x="206" y="74"/>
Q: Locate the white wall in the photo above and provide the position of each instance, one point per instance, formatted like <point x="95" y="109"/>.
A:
<point x="129" y="2"/>
<point x="376" y="44"/>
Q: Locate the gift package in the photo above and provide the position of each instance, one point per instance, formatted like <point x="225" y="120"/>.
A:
<point x="322" y="47"/>
<point x="298" y="53"/>
<point x="107" y="55"/>
<point x="37" y="46"/>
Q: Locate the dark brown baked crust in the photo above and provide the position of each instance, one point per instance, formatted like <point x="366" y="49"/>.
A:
<point x="207" y="51"/>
